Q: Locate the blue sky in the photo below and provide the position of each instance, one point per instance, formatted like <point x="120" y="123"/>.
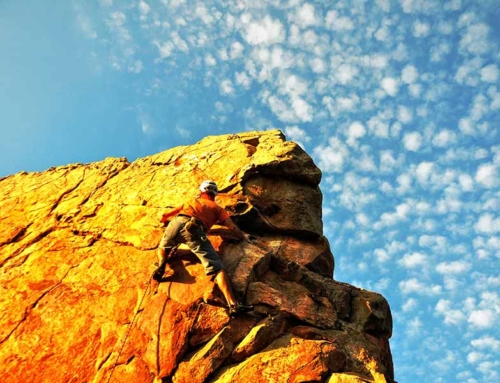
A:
<point x="397" y="101"/>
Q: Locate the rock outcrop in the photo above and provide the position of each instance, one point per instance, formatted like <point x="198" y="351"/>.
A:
<point x="77" y="247"/>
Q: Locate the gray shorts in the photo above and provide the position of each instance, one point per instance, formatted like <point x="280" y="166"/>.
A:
<point x="198" y="243"/>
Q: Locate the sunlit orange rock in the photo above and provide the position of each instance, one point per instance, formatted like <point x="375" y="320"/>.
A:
<point x="77" y="248"/>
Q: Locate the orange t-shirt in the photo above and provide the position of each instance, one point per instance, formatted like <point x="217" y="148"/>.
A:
<point x="205" y="210"/>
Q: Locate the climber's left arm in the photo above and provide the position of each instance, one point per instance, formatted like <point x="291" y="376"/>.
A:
<point x="236" y="230"/>
<point x="169" y="214"/>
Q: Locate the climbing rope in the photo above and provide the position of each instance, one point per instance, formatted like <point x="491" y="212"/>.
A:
<point x="129" y="328"/>
<point x="148" y="284"/>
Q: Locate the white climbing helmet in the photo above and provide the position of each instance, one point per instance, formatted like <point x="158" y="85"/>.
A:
<point x="209" y="187"/>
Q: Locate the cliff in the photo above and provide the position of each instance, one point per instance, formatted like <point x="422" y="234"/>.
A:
<point x="77" y="250"/>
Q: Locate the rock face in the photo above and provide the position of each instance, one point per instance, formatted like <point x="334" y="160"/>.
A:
<point x="77" y="247"/>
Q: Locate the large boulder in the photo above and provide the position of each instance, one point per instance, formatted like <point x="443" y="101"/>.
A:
<point x="77" y="247"/>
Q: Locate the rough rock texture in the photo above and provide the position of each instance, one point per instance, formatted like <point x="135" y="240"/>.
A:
<point x="77" y="251"/>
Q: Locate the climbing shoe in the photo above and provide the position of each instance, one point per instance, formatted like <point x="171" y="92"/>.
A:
<point x="239" y="309"/>
<point x="158" y="274"/>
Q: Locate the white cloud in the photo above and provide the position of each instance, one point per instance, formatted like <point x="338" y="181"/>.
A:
<point x="489" y="370"/>
<point x="379" y="126"/>
<point x="281" y="109"/>
<point x="383" y="284"/>
<point x="409" y="305"/>
<point x="390" y="86"/>
<point x="424" y="171"/>
<point x="222" y="54"/>
<point x="381" y="255"/>
<point x="332" y="158"/>
<point x="451" y="316"/>
<point x="404" y="183"/>
<point x="486" y="342"/>
<point x="243" y="79"/>
<point x="466" y="182"/>
<point x="475" y="357"/>
<point x="347" y="103"/>
<point x="144" y="7"/>
<point x="415" y="90"/>
<point x="264" y="32"/>
<point x="390" y="219"/>
<point x="453" y="5"/>
<point x="226" y="87"/>
<point x="165" y="49"/>
<point x="487" y="224"/>
<point x="338" y="23"/>
<point x="475" y="39"/>
<point x="412" y="141"/>
<point x="414" y="327"/>
<point x="179" y="42"/>
<point x="365" y="163"/>
<point x="437" y="243"/>
<point x="318" y="65"/>
<point x="362" y="219"/>
<point x="479" y="108"/>
<point x="136" y="66"/>
<point x="444" y="138"/>
<point x="345" y="73"/>
<point x="495" y="98"/>
<point x="421" y="29"/>
<point x="236" y="50"/>
<point x="384" y="4"/>
<point x="480" y="154"/>
<point x="355" y="131"/>
<point x="405" y="114"/>
<point x="489" y="73"/>
<point x="487" y="176"/>
<point x="86" y="27"/>
<point x="296" y="111"/>
<point x="400" y="53"/>
<point x="292" y="85"/>
<point x="440" y="51"/>
<point x="354" y="192"/>
<point x="387" y="161"/>
<point x="117" y="19"/>
<point x="302" y="109"/>
<point x="482" y="318"/>
<point x="395" y="247"/>
<point x="310" y="38"/>
<point x="413" y="285"/>
<point x="407" y="5"/>
<point x="305" y="16"/>
<point x="205" y="15"/>
<point x="466" y="126"/>
<point x="383" y="33"/>
<point x="467" y="73"/>
<point x="378" y="61"/>
<point x="413" y="260"/>
<point x="297" y="134"/>
<point x="455" y="267"/>
<point x="210" y="60"/>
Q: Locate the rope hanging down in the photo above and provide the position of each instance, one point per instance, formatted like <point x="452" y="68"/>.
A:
<point x="148" y="284"/>
<point x="129" y="328"/>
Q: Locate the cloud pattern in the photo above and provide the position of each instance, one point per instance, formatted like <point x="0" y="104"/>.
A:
<point x="398" y="102"/>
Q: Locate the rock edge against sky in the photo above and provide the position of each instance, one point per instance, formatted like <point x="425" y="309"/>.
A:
<point x="77" y="247"/>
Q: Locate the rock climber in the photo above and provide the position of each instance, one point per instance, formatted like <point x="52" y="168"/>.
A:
<point x="189" y="226"/>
